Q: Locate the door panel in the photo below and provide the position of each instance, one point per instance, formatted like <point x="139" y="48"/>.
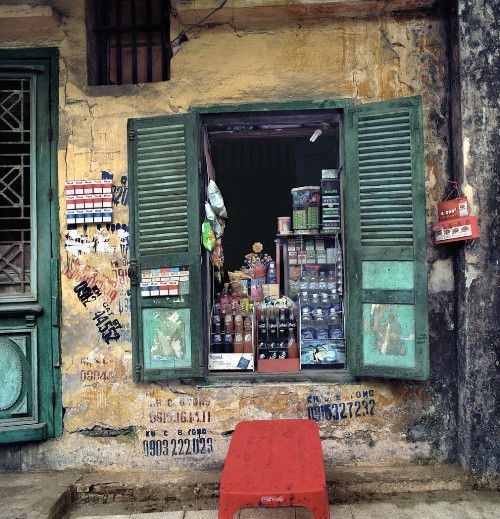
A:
<point x="28" y="254"/>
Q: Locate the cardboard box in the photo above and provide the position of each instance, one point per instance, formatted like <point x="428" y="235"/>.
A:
<point x="230" y="361"/>
<point x="278" y="366"/>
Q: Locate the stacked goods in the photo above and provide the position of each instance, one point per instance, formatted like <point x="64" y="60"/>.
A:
<point x="277" y="333"/>
<point x="306" y="203"/>
<point x="330" y="200"/>
<point x="455" y="223"/>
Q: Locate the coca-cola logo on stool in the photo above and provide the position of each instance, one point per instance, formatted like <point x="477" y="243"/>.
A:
<point x="272" y="499"/>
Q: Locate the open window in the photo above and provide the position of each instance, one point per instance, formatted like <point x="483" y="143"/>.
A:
<point x="279" y="241"/>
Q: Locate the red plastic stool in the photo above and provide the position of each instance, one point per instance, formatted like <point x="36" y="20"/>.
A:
<point x="274" y="463"/>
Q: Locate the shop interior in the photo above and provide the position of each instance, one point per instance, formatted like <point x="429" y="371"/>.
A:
<point x="272" y="233"/>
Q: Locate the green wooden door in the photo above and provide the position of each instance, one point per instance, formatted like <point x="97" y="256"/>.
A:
<point x="28" y="248"/>
<point x="164" y="180"/>
<point x="385" y="236"/>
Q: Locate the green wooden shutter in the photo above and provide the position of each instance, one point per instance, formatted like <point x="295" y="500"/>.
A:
<point x="167" y="331"/>
<point x="385" y="227"/>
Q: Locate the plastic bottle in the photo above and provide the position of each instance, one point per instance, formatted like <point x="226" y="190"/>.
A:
<point x="304" y="281"/>
<point x="330" y="281"/>
<point x="271" y="272"/>
<point x="313" y="281"/>
<point x="325" y="304"/>
<point x="306" y="329"/>
<point x="315" y="303"/>
<point x="282" y="326"/>
<point x="334" y="325"/>
<point x="322" y="281"/>
<point x="320" y="325"/>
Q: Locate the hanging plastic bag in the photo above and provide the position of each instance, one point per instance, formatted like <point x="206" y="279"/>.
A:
<point x="216" y="200"/>
<point x="207" y="236"/>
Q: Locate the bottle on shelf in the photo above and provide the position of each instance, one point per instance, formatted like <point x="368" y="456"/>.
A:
<point x="282" y="326"/>
<point x="304" y="280"/>
<point x="315" y="303"/>
<point x="292" y="323"/>
<point x="330" y="281"/>
<point x="271" y="272"/>
<point x="322" y="281"/>
<point x="325" y="304"/>
<point x="306" y="328"/>
<point x="334" y="325"/>
<point x="272" y="327"/>
<point x="238" y="323"/>
<point x="217" y="343"/>
<point x="320" y="325"/>
<point x="262" y="328"/>
<point x="228" y="323"/>
<point x="238" y="343"/>
<point x="225" y="300"/>
<point x="313" y="281"/>
<point x="228" y="343"/>
<point x="292" y="348"/>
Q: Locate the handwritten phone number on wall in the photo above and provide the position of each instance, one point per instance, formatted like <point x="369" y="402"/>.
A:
<point x="177" y="447"/>
<point x="341" y="410"/>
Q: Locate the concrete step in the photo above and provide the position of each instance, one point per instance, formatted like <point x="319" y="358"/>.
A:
<point x="469" y="505"/>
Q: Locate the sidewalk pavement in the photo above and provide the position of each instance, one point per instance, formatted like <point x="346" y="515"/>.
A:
<point x="460" y="505"/>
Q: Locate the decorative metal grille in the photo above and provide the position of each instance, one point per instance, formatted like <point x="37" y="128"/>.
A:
<point x="15" y="203"/>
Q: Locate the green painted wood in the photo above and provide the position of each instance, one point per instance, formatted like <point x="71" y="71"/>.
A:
<point x="24" y="433"/>
<point x="387" y="328"/>
<point x="388" y="296"/>
<point x="33" y="325"/>
<point x="165" y="228"/>
<point x="328" y="104"/>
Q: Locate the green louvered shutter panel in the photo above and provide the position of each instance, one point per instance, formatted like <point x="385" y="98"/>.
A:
<point x="387" y="320"/>
<point x="167" y="331"/>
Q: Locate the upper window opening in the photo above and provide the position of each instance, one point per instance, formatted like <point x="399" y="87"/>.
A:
<point x="129" y="41"/>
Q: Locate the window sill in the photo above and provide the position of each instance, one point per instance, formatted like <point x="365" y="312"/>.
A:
<point x="300" y="377"/>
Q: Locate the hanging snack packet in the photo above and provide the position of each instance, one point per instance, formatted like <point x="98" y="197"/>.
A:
<point x="207" y="236"/>
<point x="216" y="223"/>
<point x="216" y="200"/>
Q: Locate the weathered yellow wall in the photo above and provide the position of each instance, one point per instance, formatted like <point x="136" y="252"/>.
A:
<point x="368" y="59"/>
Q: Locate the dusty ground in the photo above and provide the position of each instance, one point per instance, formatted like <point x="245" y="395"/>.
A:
<point x="429" y="505"/>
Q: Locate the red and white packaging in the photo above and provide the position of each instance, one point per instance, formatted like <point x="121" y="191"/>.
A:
<point x="458" y="229"/>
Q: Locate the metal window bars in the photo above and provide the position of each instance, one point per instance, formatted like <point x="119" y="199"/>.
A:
<point x="15" y="173"/>
<point x="133" y="41"/>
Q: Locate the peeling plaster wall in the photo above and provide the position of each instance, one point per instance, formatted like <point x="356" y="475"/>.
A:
<point x="476" y="87"/>
<point x="107" y="416"/>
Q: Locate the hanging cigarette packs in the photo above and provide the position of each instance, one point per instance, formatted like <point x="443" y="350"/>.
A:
<point x="330" y="200"/>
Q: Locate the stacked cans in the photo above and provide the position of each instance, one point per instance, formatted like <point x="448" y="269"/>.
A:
<point x="330" y="201"/>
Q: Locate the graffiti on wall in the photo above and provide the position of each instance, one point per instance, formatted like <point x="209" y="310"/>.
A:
<point x="335" y="408"/>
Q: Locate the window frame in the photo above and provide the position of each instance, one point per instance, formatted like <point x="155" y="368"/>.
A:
<point x="98" y="35"/>
<point x="343" y="376"/>
<point x="353" y="371"/>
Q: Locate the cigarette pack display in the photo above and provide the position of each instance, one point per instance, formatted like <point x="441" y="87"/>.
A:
<point x="459" y="229"/>
<point x="230" y="362"/>
<point x="453" y="208"/>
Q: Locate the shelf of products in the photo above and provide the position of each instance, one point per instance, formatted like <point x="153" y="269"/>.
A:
<point x="287" y="314"/>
